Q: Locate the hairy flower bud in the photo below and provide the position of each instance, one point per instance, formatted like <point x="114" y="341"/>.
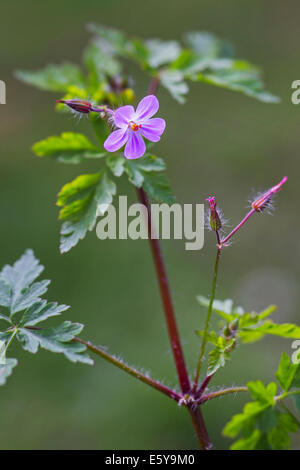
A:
<point x="79" y="106"/>
<point x="215" y="220"/>
<point x="263" y="200"/>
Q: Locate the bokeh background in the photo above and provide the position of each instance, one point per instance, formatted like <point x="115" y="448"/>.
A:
<point x="219" y="143"/>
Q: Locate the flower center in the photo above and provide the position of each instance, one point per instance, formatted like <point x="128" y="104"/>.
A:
<point x="134" y="127"/>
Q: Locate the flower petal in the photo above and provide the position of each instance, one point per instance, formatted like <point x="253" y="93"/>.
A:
<point x="147" y="107"/>
<point x="153" y="129"/>
<point x="135" y="146"/>
<point x="116" y="140"/>
<point x="123" y="115"/>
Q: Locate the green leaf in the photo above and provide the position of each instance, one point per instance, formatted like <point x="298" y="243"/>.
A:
<point x="236" y="75"/>
<point x="217" y="359"/>
<point x="6" y="369"/>
<point x="279" y="438"/>
<point x="116" y="164"/>
<point x="5" y="318"/>
<point x="69" y="147"/>
<point x="173" y="81"/>
<point x="100" y="63"/>
<point x="211" y="337"/>
<point x="267" y="312"/>
<point x="286" y="372"/>
<point x="40" y="311"/>
<point x="80" y="200"/>
<point x="224" y="308"/>
<point x="219" y="355"/>
<point x="54" y="77"/>
<point x="265" y="414"/>
<point x="296" y="400"/>
<point x="247" y="443"/>
<point x="261" y="393"/>
<point x="145" y="172"/>
<point x="115" y="40"/>
<point x="5" y="294"/>
<point x="58" y="339"/>
<point x="285" y="330"/>
<point x="204" y="44"/>
<point x="20" y="293"/>
<point x="29" y="295"/>
<point x="161" y="52"/>
<point x="29" y="342"/>
<point x="158" y="187"/>
<point x="189" y="63"/>
<point x="24" y="295"/>
<point x="243" y="420"/>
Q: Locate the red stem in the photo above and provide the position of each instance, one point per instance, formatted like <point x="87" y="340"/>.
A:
<point x="166" y="300"/>
<point x="130" y="370"/>
<point x="200" y="428"/>
<point x="251" y="212"/>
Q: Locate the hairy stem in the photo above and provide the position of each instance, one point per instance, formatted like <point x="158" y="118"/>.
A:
<point x="204" y="385"/>
<point x="130" y="370"/>
<point x="208" y="316"/>
<point x="250" y="213"/>
<point x="125" y="367"/>
<point x="220" y="393"/>
<point x="200" y="428"/>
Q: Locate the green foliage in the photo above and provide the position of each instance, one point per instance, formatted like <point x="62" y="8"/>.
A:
<point x="250" y="326"/>
<point x="238" y="325"/>
<point x="20" y="293"/>
<point x="6" y="369"/>
<point x="221" y="353"/>
<point x="236" y="75"/>
<point x="205" y="58"/>
<point x="67" y="148"/>
<point x="266" y="423"/>
<point x="54" y="78"/>
<point x="95" y="81"/>
<point x="146" y="172"/>
<point x="80" y="201"/>
<point x="288" y="374"/>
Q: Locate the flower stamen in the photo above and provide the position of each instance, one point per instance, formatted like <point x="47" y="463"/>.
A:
<point x="134" y="127"/>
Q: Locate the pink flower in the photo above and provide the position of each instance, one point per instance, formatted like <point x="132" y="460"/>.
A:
<point x="133" y="126"/>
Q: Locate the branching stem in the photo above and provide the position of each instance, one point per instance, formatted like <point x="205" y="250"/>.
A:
<point x="130" y="370"/>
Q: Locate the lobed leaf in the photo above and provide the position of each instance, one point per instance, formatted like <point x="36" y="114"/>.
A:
<point x="58" y="339"/>
<point x="288" y="374"/>
<point x="17" y="290"/>
<point x="6" y="369"/>
<point x="145" y="172"/>
<point x="69" y="147"/>
<point x="54" y="77"/>
<point x="80" y="200"/>
<point x="40" y="311"/>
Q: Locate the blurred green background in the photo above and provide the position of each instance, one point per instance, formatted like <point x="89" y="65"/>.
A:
<point x="219" y="143"/>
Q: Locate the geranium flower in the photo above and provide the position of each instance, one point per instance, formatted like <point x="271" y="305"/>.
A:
<point x="133" y="126"/>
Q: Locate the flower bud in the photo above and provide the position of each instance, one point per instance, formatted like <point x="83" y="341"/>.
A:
<point x="215" y="220"/>
<point x="263" y="200"/>
<point x="79" y="106"/>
